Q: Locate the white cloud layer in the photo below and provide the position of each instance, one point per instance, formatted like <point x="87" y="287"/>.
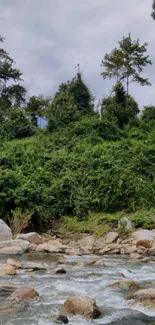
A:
<point x="47" y="38"/>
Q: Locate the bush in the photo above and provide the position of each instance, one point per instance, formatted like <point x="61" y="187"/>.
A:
<point x="16" y="125"/>
<point x="20" y="220"/>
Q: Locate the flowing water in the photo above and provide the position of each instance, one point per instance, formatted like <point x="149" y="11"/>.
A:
<point x="90" y="281"/>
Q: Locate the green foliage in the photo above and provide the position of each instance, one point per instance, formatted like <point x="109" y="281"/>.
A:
<point x="37" y="107"/>
<point x="120" y="107"/>
<point x="144" y="219"/>
<point x="62" y="111"/>
<point x="92" y="224"/>
<point x="16" y="125"/>
<point x="127" y="62"/>
<point x="20" y="220"/>
<point x="72" y="101"/>
<point x="148" y="115"/>
<point x="76" y="170"/>
<point x="153" y="10"/>
<point x="100" y="223"/>
<point x="81" y="94"/>
<point x="13" y="94"/>
<point x="97" y="129"/>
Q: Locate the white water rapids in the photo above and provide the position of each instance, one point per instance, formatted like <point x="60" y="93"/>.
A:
<point x="90" y="281"/>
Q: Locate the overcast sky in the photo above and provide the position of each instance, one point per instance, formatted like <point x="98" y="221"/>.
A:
<point x="47" y="38"/>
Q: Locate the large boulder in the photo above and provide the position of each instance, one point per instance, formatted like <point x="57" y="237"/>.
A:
<point x="143" y="235"/>
<point x="25" y="293"/>
<point x="5" y="231"/>
<point x="145" y="297"/>
<point x="125" y="284"/>
<point x="31" y="237"/>
<point x="125" y="225"/>
<point x="11" y="250"/>
<point x="80" y="305"/>
<point x="111" y="237"/>
<point x="14" y="246"/>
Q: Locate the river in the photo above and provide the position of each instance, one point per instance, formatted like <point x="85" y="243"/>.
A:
<point x="90" y="281"/>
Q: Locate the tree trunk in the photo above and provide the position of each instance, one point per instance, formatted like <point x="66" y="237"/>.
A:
<point x="127" y="91"/>
<point x="127" y="83"/>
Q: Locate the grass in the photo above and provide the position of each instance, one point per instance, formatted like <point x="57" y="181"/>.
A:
<point x="101" y="223"/>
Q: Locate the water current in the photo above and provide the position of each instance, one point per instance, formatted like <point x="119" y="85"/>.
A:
<point x="89" y="281"/>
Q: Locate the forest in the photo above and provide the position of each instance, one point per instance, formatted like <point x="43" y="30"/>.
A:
<point x="66" y="156"/>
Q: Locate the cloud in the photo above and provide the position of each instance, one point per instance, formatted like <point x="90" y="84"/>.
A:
<point x="47" y="38"/>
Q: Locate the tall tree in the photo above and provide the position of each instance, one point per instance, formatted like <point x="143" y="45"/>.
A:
<point x="127" y="62"/>
<point x="153" y="12"/>
<point x="11" y="92"/>
<point x="80" y="93"/>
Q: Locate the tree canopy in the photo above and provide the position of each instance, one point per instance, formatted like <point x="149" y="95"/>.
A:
<point x="153" y="10"/>
<point x="127" y="62"/>
<point x="10" y="94"/>
<point x="114" y="107"/>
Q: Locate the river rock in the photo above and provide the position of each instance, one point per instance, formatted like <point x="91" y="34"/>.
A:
<point x="125" y="284"/>
<point x="25" y="293"/>
<point x="17" y="245"/>
<point x="135" y="256"/>
<point x="60" y="270"/>
<point x="105" y="250"/>
<point x="7" y="270"/>
<point x="11" y="251"/>
<point x="53" y="246"/>
<point x="59" y="319"/>
<point x="73" y="251"/>
<point x="87" y="242"/>
<point x="31" y="237"/>
<point x="79" y="264"/>
<point x="99" y="263"/>
<point x="5" y="231"/>
<point x="111" y="237"/>
<point x="62" y="259"/>
<point x="80" y="305"/>
<point x="33" y="248"/>
<point x="151" y="251"/>
<point x="125" y="225"/>
<point x="35" y="266"/>
<point x="10" y="306"/>
<point x="99" y="244"/>
<point x="145" y="297"/>
<point x="7" y="287"/>
<point x="14" y="263"/>
<point x="143" y="235"/>
<point x="131" y="249"/>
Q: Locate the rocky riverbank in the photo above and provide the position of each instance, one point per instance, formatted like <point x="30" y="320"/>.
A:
<point x="136" y="244"/>
<point x="31" y="256"/>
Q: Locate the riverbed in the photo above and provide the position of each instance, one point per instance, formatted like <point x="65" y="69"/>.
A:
<point x="92" y="281"/>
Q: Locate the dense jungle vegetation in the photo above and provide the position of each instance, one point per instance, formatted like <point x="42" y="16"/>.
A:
<point x="66" y="156"/>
